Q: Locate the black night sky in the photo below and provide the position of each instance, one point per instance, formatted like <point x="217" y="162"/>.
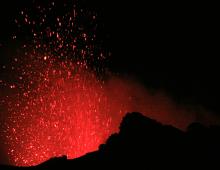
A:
<point x="171" y="47"/>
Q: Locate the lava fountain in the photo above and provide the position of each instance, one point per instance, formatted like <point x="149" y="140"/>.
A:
<point x="56" y="103"/>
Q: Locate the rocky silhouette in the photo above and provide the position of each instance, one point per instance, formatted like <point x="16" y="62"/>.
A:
<point x="144" y="143"/>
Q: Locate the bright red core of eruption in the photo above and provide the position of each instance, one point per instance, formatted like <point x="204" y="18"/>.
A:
<point x="72" y="113"/>
<point x="59" y="108"/>
<point x="64" y="110"/>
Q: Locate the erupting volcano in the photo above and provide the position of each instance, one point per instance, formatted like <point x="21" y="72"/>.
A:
<point x="67" y="110"/>
<point x="60" y="99"/>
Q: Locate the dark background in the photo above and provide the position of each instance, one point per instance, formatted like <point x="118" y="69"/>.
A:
<point x="169" y="46"/>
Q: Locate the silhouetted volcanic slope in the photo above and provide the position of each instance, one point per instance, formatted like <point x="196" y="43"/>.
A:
<point x="142" y="141"/>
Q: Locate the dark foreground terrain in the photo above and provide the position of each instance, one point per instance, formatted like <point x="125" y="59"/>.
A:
<point x="143" y="143"/>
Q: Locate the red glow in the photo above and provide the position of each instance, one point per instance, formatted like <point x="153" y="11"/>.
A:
<point x="72" y="113"/>
<point x="62" y="115"/>
<point x="55" y="103"/>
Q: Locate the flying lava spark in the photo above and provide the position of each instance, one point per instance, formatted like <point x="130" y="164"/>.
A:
<point x="56" y="101"/>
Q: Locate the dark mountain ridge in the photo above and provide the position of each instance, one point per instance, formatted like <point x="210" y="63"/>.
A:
<point x="144" y="143"/>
